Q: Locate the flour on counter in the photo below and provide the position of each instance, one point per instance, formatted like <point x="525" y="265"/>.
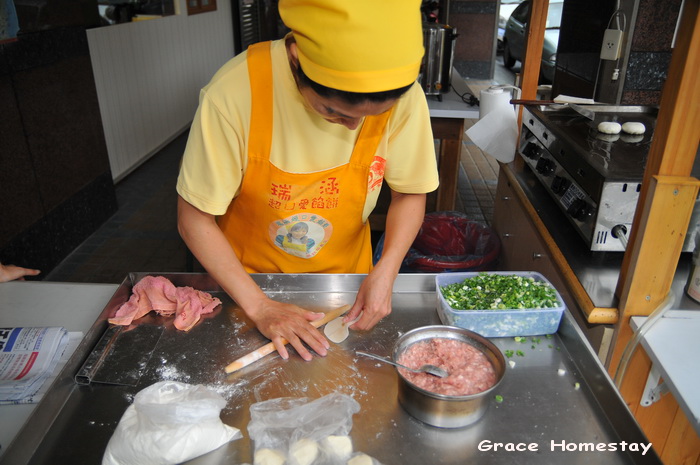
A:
<point x="170" y="373"/>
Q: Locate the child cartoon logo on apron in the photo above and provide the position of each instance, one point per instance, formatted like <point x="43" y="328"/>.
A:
<point x="301" y="235"/>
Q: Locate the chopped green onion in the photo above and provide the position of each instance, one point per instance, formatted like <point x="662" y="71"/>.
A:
<point x="499" y="398"/>
<point x="499" y="292"/>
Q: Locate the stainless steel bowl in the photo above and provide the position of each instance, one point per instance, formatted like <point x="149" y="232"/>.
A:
<point x="441" y="410"/>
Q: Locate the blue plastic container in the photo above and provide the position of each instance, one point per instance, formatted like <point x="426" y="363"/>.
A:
<point x="499" y="323"/>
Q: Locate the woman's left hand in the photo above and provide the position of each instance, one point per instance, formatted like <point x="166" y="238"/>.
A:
<point x="373" y="301"/>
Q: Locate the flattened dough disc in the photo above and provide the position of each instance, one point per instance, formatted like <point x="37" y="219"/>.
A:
<point x="336" y="331"/>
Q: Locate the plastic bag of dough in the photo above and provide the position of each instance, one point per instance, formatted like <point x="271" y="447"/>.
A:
<point x="169" y="423"/>
<point x="302" y="431"/>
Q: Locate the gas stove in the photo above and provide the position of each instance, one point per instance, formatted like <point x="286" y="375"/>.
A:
<point x="594" y="178"/>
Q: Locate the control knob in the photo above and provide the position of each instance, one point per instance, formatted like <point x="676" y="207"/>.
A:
<point x="579" y="210"/>
<point x="560" y="184"/>
<point x="545" y="166"/>
<point x="532" y="151"/>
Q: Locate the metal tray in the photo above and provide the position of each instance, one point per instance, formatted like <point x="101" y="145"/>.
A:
<point x="557" y="392"/>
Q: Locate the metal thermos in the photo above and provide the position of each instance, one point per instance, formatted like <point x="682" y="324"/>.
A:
<point x="436" y="69"/>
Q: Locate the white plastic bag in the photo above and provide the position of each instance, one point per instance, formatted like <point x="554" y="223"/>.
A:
<point x="299" y="431"/>
<point x="169" y="423"/>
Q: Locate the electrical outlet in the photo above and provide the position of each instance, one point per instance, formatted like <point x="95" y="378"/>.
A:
<point x="612" y="43"/>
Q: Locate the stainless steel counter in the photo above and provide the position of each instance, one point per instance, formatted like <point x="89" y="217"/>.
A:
<point x="42" y="303"/>
<point x="557" y="392"/>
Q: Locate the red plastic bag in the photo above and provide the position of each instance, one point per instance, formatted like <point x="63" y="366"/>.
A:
<point x="450" y="241"/>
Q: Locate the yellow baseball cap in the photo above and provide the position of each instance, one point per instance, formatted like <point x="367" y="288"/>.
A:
<point x="357" y="45"/>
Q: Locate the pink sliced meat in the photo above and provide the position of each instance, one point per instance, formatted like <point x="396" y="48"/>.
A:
<point x="191" y="305"/>
<point x="159" y="294"/>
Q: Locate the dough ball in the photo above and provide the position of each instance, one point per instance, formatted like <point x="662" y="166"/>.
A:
<point x="338" y="446"/>
<point x="304" y="451"/>
<point x="268" y="457"/>
<point x="361" y="459"/>
<point x="634" y="128"/>
<point x="609" y="127"/>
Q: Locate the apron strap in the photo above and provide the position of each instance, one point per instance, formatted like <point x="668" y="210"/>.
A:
<point x="368" y="140"/>
<point x="260" y="74"/>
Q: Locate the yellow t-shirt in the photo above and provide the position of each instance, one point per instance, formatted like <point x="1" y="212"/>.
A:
<point x="215" y="158"/>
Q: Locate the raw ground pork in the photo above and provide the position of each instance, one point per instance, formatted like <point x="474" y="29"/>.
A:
<point x="159" y="294"/>
<point x="470" y="372"/>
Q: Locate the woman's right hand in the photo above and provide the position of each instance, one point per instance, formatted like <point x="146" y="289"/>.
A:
<point x="275" y="320"/>
<point x="278" y="321"/>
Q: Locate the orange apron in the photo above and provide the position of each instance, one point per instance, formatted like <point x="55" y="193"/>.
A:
<point x="299" y="223"/>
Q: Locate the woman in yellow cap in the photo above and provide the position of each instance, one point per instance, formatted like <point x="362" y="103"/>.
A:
<point x="305" y="130"/>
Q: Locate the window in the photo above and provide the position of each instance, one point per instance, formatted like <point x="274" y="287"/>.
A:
<point x="118" y="12"/>
<point x="522" y="13"/>
<point x="200" y="6"/>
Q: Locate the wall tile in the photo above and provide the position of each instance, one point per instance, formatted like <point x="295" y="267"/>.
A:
<point x="475" y="22"/>
<point x="475" y="40"/>
<point x="49" y="240"/>
<point x="647" y="70"/>
<point x="44" y="47"/>
<point x="655" y="26"/>
<point x="55" y="180"/>
<point x="20" y="202"/>
<point x="641" y="97"/>
<point x="61" y="117"/>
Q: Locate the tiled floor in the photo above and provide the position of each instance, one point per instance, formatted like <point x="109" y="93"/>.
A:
<point x="142" y="236"/>
<point x="477" y="181"/>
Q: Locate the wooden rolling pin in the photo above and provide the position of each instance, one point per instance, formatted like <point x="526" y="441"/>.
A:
<point x="270" y="347"/>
